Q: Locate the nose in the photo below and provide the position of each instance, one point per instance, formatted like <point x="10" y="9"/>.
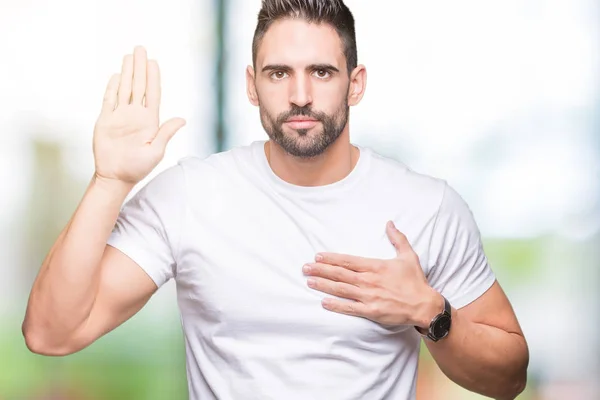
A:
<point x="300" y="92"/>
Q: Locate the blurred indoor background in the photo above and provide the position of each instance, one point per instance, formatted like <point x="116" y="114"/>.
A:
<point x="501" y="99"/>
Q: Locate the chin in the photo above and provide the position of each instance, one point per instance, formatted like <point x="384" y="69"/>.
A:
<point x="305" y="133"/>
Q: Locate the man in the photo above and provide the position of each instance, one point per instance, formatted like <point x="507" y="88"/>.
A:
<point x="306" y="267"/>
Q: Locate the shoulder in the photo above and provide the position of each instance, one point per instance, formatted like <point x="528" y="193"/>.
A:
<point x="422" y="190"/>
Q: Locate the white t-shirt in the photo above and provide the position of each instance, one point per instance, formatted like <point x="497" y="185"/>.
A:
<point x="235" y="236"/>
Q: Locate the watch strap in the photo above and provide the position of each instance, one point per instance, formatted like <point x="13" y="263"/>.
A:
<point x="429" y="333"/>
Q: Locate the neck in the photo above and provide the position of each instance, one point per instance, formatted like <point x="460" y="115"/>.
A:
<point x="333" y="165"/>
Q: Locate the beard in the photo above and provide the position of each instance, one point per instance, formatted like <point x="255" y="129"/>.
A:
<point x="301" y="143"/>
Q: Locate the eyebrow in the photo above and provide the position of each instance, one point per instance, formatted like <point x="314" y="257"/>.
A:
<point x="287" y="68"/>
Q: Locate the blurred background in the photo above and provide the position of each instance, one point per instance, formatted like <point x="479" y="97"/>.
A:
<point x="501" y="99"/>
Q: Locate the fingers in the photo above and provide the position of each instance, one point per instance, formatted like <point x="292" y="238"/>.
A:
<point x="338" y="289"/>
<point x="124" y="95"/>
<point x="140" y="61"/>
<point x="153" y="86"/>
<point x="398" y="239"/>
<point x="140" y="79"/>
<point x="167" y="131"/>
<point x="348" y="307"/>
<point x="333" y="273"/>
<point x="353" y="263"/>
<point x="110" y="95"/>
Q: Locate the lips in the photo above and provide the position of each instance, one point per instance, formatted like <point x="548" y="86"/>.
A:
<point x="301" y="122"/>
<point x="296" y="119"/>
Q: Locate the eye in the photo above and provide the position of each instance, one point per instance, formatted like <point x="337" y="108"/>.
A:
<point x="278" y="75"/>
<point x="322" y="73"/>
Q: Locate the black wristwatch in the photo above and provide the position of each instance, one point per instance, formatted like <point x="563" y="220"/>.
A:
<point x="440" y="324"/>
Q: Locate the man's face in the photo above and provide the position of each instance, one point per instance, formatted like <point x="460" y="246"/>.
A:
<point x="302" y="84"/>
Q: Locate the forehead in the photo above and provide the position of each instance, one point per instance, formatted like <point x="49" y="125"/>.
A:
<point x="296" y="42"/>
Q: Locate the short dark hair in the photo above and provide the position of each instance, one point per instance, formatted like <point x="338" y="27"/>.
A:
<point x="332" y="12"/>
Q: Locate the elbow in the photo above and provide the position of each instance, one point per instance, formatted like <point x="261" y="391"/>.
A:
<point x="38" y="343"/>
<point x="516" y="386"/>
<point x="518" y="381"/>
<point x="521" y="378"/>
<point x="513" y="390"/>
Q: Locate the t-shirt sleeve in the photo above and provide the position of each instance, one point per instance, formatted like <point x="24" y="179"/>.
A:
<point x="148" y="228"/>
<point x="460" y="271"/>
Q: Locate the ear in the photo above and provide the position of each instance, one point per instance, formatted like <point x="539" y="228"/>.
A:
<point x="358" y="85"/>
<point x="251" y="86"/>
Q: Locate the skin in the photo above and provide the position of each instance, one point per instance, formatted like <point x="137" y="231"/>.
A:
<point x="289" y="45"/>
<point x="85" y="288"/>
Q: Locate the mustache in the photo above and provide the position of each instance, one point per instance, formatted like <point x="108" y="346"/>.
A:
<point x="305" y="111"/>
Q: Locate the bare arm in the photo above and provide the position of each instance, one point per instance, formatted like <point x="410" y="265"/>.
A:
<point x="485" y="351"/>
<point x="86" y="288"/>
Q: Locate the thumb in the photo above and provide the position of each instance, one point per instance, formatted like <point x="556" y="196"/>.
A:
<point x="167" y="130"/>
<point x="398" y="239"/>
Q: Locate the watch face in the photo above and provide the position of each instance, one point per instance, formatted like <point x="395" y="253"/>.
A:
<point x="441" y="326"/>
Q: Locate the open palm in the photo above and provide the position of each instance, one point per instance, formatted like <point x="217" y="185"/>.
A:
<point x="128" y="141"/>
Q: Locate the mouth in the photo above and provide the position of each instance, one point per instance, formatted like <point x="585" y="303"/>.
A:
<point x="301" y="122"/>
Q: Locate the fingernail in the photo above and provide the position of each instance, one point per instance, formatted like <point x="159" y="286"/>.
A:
<point x="311" y="282"/>
<point x="306" y="269"/>
<point x="319" y="257"/>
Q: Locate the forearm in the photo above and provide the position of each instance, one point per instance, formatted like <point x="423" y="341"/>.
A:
<point x="64" y="291"/>
<point x="482" y="358"/>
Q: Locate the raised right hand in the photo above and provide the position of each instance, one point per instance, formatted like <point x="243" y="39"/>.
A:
<point x="128" y="142"/>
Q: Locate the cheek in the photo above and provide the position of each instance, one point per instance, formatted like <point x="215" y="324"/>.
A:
<point x="329" y="98"/>
<point x="272" y="92"/>
<point x="268" y="106"/>
<point x="271" y="97"/>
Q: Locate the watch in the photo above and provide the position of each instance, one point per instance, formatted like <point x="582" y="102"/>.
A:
<point x="439" y="327"/>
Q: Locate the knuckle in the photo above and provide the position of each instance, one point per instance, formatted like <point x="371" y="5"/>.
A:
<point x="374" y="297"/>
<point x="351" y="308"/>
<point x="342" y="290"/>
<point x="359" y="280"/>
<point x="379" y="266"/>
<point x="365" y="280"/>
<point x="374" y="310"/>
<point x="322" y="269"/>
<point x="337" y="275"/>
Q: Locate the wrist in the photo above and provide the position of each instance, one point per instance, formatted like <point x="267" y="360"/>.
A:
<point x="112" y="186"/>
<point x="432" y="305"/>
<point x="108" y="193"/>
<point x="439" y="325"/>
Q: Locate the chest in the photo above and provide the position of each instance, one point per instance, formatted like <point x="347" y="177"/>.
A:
<point x="241" y="262"/>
